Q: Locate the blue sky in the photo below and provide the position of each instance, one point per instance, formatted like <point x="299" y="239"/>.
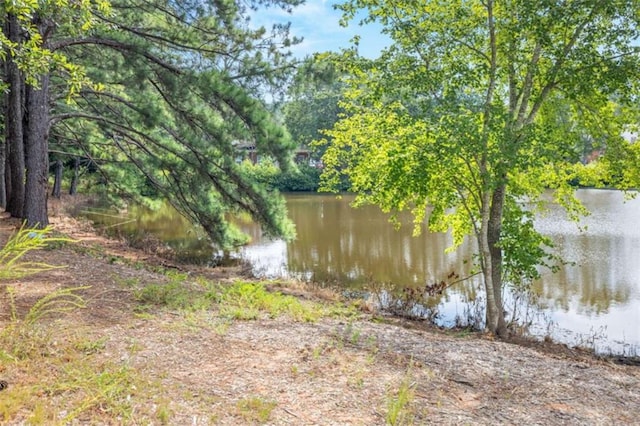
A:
<point x="318" y="24"/>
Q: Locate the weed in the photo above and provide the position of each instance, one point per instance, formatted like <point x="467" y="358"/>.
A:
<point x="355" y="337"/>
<point x="139" y="265"/>
<point x="356" y="381"/>
<point x="24" y="338"/>
<point x="463" y="333"/>
<point x="590" y="341"/>
<point x="317" y="351"/>
<point x="202" y="282"/>
<point x="56" y="302"/>
<point x="341" y="310"/>
<point x="19" y="244"/>
<point x="88" y="347"/>
<point x="89" y="388"/>
<point x="240" y="313"/>
<point x="398" y="403"/>
<point x="174" y="295"/>
<point x="256" y="409"/>
<point x="221" y="328"/>
<point x="127" y="282"/>
<point x="134" y="347"/>
<point x="14" y="400"/>
<point x="94" y="251"/>
<point x="140" y="314"/>
<point x="11" y="267"/>
<point x="247" y="301"/>
<point x="176" y="275"/>
<point x="240" y="301"/>
<point x="338" y="342"/>
<point x="39" y="416"/>
<point x="163" y="412"/>
<point x="65" y="382"/>
<point x="178" y="294"/>
<point x="372" y="343"/>
<point x="192" y="320"/>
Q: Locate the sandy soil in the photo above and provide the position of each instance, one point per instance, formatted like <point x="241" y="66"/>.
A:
<point x="332" y="372"/>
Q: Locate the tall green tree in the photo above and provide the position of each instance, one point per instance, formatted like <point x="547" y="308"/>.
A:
<point x="28" y="28"/>
<point x="174" y="85"/>
<point x="181" y="83"/>
<point x="313" y="102"/>
<point x="472" y="110"/>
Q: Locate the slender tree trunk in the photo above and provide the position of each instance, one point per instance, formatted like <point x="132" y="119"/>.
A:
<point x="493" y="238"/>
<point x="3" y="151"/>
<point x="486" y="264"/>
<point x="491" y="259"/>
<point x="14" y="130"/>
<point x="492" y="203"/>
<point x="37" y="153"/>
<point x="7" y="174"/>
<point x="74" y="179"/>
<point x="57" y="182"/>
<point x="3" y="186"/>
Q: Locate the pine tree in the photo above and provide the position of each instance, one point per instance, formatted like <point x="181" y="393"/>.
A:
<point x="171" y="87"/>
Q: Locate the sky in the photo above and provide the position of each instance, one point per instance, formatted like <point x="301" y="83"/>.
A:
<point x="318" y="23"/>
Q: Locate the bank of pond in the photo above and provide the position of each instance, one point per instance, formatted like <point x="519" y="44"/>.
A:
<point x="593" y="300"/>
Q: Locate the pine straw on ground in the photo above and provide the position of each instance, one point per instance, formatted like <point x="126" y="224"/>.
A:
<point x="336" y="371"/>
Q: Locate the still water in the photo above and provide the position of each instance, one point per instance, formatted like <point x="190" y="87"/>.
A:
<point x="594" y="300"/>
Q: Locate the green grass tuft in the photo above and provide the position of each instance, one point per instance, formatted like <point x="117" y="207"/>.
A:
<point x="247" y="301"/>
<point x="255" y="409"/>
<point x="399" y="403"/>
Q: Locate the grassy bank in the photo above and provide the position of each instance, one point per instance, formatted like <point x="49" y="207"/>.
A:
<point x="118" y="336"/>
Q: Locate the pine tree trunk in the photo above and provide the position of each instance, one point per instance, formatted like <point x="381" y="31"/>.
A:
<point x="13" y="130"/>
<point x="3" y="192"/>
<point x="74" y="179"/>
<point x="37" y="154"/>
<point x="3" y="186"/>
<point x="7" y="174"/>
<point x="57" y="182"/>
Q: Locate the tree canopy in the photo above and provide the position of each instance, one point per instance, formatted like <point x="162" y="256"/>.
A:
<point x="313" y="102"/>
<point x="161" y="94"/>
<point x="480" y="106"/>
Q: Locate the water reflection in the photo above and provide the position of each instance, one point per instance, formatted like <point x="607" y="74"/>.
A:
<point x="595" y="297"/>
<point x="352" y="247"/>
<point x="600" y="291"/>
<point x="338" y="245"/>
<point x="165" y="225"/>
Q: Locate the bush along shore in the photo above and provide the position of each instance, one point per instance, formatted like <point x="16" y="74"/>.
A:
<point x="92" y="331"/>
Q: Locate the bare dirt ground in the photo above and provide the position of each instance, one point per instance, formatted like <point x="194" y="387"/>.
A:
<point x="195" y="368"/>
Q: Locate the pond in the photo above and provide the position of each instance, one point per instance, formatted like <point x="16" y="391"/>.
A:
<point x="594" y="300"/>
